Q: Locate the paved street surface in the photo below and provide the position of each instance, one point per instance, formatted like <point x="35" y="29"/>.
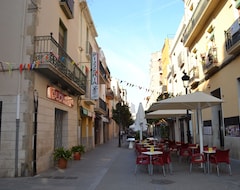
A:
<point x="109" y="167"/>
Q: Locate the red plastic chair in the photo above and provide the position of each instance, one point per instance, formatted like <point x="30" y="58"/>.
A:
<point x="160" y="146"/>
<point x="158" y="160"/>
<point x="167" y="160"/>
<point x="141" y="149"/>
<point x="142" y="160"/>
<point x="221" y="156"/>
<point x="205" y="147"/>
<point x="198" y="158"/>
<point x="184" y="153"/>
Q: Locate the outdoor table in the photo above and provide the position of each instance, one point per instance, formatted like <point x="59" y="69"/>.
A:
<point x="155" y="148"/>
<point x="208" y="152"/>
<point x="193" y="148"/>
<point x="152" y="139"/>
<point x="131" y="142"/>
<point x="151" y="153"/>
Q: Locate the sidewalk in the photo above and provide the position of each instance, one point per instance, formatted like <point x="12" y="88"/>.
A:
<point x="109" y="167"/>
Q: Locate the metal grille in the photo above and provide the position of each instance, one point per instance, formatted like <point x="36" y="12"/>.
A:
<point x="58" y="57"/>
<point x="58" y="128"/>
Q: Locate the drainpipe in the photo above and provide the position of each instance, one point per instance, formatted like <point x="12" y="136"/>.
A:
<point x="22" y="36"/>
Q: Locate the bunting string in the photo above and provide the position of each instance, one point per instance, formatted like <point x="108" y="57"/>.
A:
<point x="7" y="66"/>
<point x="132" y="85"/>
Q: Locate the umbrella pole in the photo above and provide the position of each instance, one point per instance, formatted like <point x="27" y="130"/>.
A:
<point x="200" y="129"/>
<point x="199" y="125"/>
<point x="141" y="126"/>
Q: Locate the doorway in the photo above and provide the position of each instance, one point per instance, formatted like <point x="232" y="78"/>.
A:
<point x="218" y="109"/>
<point x="60" y="132"/>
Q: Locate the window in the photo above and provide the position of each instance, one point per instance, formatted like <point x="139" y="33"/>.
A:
<point x="62" y="36"/>
<point x="62" y="40"/>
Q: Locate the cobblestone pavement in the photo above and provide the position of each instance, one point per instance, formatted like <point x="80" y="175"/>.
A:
<point x="109" y="167"/>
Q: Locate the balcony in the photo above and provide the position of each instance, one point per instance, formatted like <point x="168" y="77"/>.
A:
<point x="88" y="100"/>
<point x="194" y="77"/>
<point x="164" y="89"/>
<point x="232" y="38"/>
<point x="198" y="20"/>
<point x="109" y="94"/>
<point x="57" y="65"/>
<point x="87" y="97"/>
<point x="210" y="61"/>
<point x="67" y="7"/>
<point x="181" y="59"/>
<point x="101" y="107"/>
<point x="103" y="74"/>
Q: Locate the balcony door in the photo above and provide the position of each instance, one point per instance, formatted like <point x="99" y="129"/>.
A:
<point x="62" y="40"/>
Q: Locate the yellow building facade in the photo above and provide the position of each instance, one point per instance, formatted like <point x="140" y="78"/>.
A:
<point x="211" y="39"/>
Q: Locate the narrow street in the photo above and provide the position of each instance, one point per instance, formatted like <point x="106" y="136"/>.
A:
<point x="109" y="167"/>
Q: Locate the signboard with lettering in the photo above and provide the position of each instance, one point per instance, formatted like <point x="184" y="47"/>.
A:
<point x="94" y="77"/>
<point x="58" y="96"/>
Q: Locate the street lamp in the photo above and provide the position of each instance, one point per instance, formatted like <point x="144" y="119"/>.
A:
<point x="35" y="101"/>
<point x="185" y="79"/>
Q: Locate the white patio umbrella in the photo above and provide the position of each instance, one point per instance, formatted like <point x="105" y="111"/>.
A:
<point x="194" y="101"/>
<point x="140" y="123"/>
<point x="189" y="101"/>
<point x="135" y="127"/>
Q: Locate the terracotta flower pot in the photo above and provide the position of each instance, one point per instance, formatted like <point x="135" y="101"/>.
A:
<point x="77" y="156"/>
<point x="62" y="163"/>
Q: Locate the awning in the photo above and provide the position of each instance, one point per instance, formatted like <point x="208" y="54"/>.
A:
<point x="158" y="114"/>
<point x="84" y="111"/>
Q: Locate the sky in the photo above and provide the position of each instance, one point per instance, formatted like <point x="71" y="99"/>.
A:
<point x="129" y="31"/>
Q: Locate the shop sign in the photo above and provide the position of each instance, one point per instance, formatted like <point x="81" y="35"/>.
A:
<point x="94" y="77"/>
<point x="84" y="111"/>
<point x="58" y="96"/>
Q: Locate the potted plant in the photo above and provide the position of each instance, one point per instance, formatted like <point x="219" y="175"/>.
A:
<point x="77" y="151"/>
<point x="62" y="155"/>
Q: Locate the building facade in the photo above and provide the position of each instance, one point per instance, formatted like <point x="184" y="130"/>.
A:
<point x="55" y="89"/>
<point x="206" y="48"/>
<point x="209" y="56"/>
<point x="155" y="72"/>
<point x="214" y="53"/>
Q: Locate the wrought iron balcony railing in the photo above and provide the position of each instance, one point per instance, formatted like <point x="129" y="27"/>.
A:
<point x="103" y="74"/>
<point x="58" y="65"/>
<point x="181" y="59"/>
<point x="109" y="94"/>
<point x="194" y="77"/>
<point x="232" y="37"/>
<point x="210" y="60"/>
<point x="101" y="106"/>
